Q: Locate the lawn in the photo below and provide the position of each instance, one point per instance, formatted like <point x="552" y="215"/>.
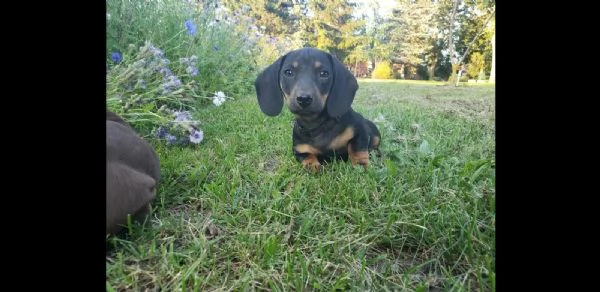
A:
<point x="237" y="212"/>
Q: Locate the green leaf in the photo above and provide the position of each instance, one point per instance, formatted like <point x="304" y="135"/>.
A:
<point x="424" y="147"/>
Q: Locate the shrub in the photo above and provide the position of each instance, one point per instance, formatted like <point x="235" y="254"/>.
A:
<point x="476" y="64"/>
<point x="481" y="75"/>
<point x="452" y="78"/>
<point x="383" y="70"/>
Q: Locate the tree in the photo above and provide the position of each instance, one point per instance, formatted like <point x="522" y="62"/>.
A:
<point x="476" y="32"/>
<point x="333" y="27"/>
<point x="378" y="45"/>
<point x="273" y="17"/>
<point x="493" y="70"/>
<point x="465" y="44"/>
<point x="451" y="30"/>
<point x="413" y="34"/>
<point x="329" y="24"/>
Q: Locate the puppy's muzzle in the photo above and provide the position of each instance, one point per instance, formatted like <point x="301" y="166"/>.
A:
<point x="304" y="100"/>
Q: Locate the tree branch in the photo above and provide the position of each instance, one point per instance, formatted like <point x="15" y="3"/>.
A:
<point x="462" y="58"/>
<point x="451" y="28"/>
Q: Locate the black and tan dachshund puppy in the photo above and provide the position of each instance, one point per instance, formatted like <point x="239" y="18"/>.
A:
<point x="132" y="173"/>
<point x="319" y="91"/>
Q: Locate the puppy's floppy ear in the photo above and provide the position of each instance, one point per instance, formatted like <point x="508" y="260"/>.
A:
<point x="343" y="89"/>
<point x="267" y="88"/>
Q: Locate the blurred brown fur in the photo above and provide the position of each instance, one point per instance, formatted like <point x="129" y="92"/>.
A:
<point x="132" y="173"/>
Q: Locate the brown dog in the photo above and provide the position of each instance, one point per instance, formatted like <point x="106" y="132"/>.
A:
<point x="132" y="173"/>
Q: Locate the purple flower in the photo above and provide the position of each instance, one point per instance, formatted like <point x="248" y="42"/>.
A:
<point x="165" y="71"/>
<point x="164" y="62"/>
<point x="172" y="82"/>
<point x="171" y="139"/>
<point x="192" y="70"/>
<point x="116" y="57"/>
<point x="196" y="136"/>
<point x="190" y="26"/>
<point x="182" y="116"/>
<point x="161" y="133"/>
<point x="156" y="52"/>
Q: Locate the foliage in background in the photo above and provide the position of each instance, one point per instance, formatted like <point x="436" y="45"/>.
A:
<point x="382" y="70"/>
<point x="476" y="65"/>
<point x="414" y="34"/>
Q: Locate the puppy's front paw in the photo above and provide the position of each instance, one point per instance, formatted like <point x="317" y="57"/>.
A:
<point x="358" y="157"/>
<point x="312" y="164"/>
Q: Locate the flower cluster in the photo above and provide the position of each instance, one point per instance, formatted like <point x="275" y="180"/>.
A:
<point x="252" y="35"/>
<point x="153" y="60"/>
<point x="181" y="130"/>
<point x="146" y="87"/>
<point x="190" y="64"/>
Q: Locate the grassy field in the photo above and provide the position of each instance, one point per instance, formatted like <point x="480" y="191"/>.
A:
<point x="237" y="212"/>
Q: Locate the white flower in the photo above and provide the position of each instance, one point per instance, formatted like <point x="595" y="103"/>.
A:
<point x="107" y="16"/>
<point x="196" y="136"/>
<point x="219" y="98"/>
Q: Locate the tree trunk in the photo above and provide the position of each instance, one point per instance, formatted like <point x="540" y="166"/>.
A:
<point x="493" y="72"/>
<point x="458" y="74"/>
<point x="432" y="69"/>
<point x="453" y="60"/>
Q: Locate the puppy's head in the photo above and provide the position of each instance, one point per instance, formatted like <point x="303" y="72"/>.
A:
<point x="308" y="80"/>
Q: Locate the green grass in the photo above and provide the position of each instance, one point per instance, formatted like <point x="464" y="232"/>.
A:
<point x="237" y="212"/>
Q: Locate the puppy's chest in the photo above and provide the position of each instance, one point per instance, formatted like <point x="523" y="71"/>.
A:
<point x="335" y="138"/>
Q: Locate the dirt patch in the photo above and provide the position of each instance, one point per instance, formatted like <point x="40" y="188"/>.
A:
<point x="270" y="164"/>
<point x="195" y="215"/>
<point x="478" y="110"/>
<point x="406" y="260"/>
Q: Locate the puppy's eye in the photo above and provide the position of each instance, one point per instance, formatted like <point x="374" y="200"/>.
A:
<point x="323" y="74"/>
<point x="288" y="73"/>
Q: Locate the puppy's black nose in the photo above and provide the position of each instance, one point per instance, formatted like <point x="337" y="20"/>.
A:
<point x="304" y="100"/>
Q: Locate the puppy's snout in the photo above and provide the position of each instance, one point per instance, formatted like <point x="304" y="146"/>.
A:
<point x="304" y="100"/>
